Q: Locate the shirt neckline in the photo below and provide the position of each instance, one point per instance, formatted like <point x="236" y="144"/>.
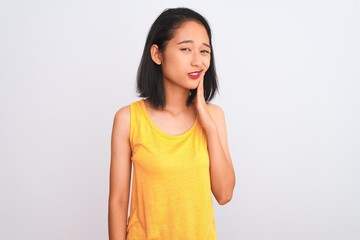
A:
<point x="159" y="131"/>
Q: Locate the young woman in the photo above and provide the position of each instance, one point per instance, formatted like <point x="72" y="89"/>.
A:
<point x="173" y="139"/>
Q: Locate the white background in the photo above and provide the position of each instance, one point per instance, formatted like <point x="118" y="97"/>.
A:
<point x="289" y="75"/>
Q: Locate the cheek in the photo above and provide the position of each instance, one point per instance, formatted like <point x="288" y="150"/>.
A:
<point x="207" y="63"/>
<point x="173" y="66"/>
<point x="174" y="61"/>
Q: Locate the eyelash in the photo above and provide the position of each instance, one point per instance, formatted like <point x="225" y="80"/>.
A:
<point x="188" y="49"/>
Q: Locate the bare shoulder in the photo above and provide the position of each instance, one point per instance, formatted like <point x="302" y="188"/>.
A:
<point x="122" y="121"/>
<point x="216" y="110"/>
<point x="218" y="115"/>
<point x="123" y="114"/>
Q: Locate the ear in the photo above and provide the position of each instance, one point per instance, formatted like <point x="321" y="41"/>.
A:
<point x="156" y="54"/>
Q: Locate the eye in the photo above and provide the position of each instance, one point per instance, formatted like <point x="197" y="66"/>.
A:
<point x="205" y="52"/>
<point x="185" y="49"/>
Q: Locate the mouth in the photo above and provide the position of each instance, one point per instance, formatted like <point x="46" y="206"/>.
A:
<point x="195" y="75"/>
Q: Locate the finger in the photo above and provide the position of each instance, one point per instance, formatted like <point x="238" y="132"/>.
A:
<point x="200" y="89"/>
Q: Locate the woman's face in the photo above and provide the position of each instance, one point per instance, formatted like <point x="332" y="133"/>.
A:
<point x="187" y="56"/>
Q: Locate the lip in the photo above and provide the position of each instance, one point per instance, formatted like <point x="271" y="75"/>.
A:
<point x="195" y="75"/>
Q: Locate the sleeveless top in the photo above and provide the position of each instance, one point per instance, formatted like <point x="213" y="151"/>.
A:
<point x="171" y="192"/>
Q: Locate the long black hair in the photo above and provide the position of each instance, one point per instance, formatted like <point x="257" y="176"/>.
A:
<point x="149" y="76"/>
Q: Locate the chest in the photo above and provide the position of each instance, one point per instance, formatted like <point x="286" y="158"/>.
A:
<point x="160" y="156"/>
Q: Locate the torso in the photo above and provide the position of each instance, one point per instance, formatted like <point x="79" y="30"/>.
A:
<point x="171" y="189"/>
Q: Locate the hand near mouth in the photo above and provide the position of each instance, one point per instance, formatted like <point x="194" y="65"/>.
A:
<point x="203" y="113"/>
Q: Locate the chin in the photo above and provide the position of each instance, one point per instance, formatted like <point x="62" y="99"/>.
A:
<point x="193" y="85"/>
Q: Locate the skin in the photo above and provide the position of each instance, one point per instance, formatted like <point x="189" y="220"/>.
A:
<point x="187" y="52"/>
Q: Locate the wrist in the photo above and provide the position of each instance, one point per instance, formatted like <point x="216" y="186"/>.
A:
<point x="210" y="129"/>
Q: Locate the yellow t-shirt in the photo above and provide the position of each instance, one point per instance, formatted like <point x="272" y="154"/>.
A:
<point x="171" y="192"/>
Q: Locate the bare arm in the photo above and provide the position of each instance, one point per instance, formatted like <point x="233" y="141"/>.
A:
<point x="221" y="167"/>
<point x="120" y="174"/>
<point x="222" y="173"/>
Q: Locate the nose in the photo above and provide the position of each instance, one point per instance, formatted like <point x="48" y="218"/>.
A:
<point x="196" y="60"/>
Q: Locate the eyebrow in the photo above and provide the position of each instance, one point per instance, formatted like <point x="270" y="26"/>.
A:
<point x="191" y="41"/>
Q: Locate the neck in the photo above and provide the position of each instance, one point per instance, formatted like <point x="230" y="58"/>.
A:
<point x="175" y="98"/>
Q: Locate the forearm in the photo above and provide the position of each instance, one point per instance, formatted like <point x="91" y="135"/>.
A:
<point x="117" y="220"/>
<point x="221" y="170"/>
